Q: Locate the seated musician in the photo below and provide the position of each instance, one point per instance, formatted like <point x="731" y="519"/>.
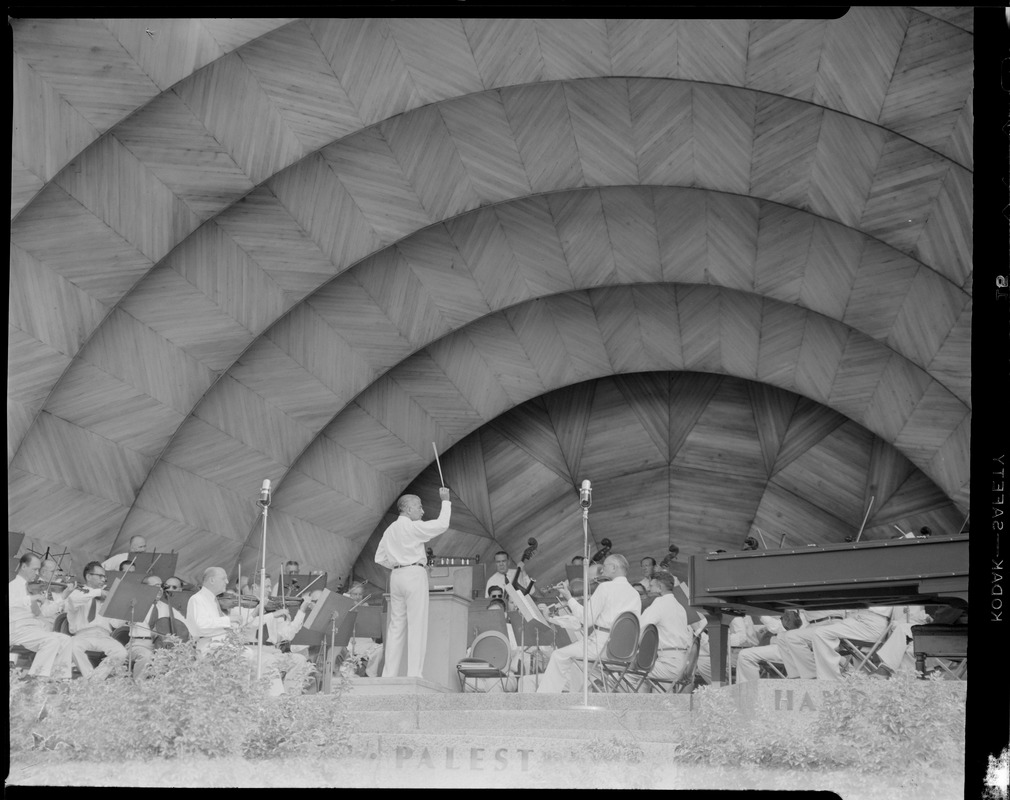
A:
<point x="128" y="566"/>
<point x="209" y="621"/>
<point x="742" y="635"/>
<point x="31" y="627"/>
<point x="138" y="544"/>
<point x="141" y="646"/>
<point x="292" y="568"/>
<point x="608" y="601"/>
<point x="363" y="649"/>
<point x="173" y="584"/>
<point x="748" y="665"/>
<point x="648" y="569"/>
<point x="90" y="628"/>
<point x="896" y="654"/>
<point x="670" y="619"/>
<point x="812" y="651"/>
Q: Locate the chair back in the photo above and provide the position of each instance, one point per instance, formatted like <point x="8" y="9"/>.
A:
<point x="60" y="624"/>
<point x="623" y="639"/>
<point x="122" y="634"/>
<point x="648" y="648"/>
<point x="492" y="647"/>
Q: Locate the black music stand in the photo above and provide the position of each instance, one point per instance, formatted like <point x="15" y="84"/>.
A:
<point x="132" y="576"/>
<point x="368" y="624"/>
<point x="329" y="606"/>
<point x="693" y="614"/>
<point x="154" y="563"/>
<point x="300" y="584"/>
<point x="179" y="600"/>
<point x="128" y="600"/>
<point x="478" y="621"/>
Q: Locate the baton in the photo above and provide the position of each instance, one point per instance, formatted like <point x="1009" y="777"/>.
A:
<point x="438" y="464"/>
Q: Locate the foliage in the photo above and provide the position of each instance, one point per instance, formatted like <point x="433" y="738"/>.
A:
<point x="866" y="724"/>
<point x="189" y="704"/>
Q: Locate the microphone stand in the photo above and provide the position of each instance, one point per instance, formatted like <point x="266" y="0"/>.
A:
<point x="264" y="503"/>
<point x="585" y="602"/>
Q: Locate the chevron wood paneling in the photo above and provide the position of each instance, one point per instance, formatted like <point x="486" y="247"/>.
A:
<point x="585" y="242"/>
<point x="530" y="427"/>
<point x="648" y="396"/>
<point x="772" y="410"/>
<point x="569" y="413"/>
<point x="802" y="522"/>
<point x="808" y="426"/>
<point x="702" y="516"/>
<point x="690" y="394"/>
<point x="632" y="510"/>
<point x="916" y="495"/>
<point x="610" y="426"/>
<point x="134" y="196"/>
<point x="833" y="470"/>
<point x="887" y="471"/>
<point x="783" y="56"/>
<point x="463" y="467"/>
<point x="859" y="85"/>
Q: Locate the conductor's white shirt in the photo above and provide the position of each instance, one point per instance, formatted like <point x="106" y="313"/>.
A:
<point x="403" y="541"/>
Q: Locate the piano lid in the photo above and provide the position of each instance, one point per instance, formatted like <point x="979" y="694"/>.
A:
<point x="845" y="575"/>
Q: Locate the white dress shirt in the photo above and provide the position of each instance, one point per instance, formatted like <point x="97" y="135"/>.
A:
<point x="403" y="541"/>
<point x="611" y="599"/>
<point x="670" y="620"/>
<point x="203" y="616"/>
<point x="19" y="602"/>
<point x="78" y="606"/>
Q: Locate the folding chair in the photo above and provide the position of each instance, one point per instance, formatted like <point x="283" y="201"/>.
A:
<point x="490" y="657"/>
<point x="684" y="682"/>
<point x="772" y="669"/>
<point x="946" y="644"/>
<point x="861" y="654"/>
<point x="21" y="656"/>
<point x="619" y="654"/>
<point x="645" y="659"/>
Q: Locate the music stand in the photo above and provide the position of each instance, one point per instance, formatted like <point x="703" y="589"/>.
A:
<point x="154" y="563"/>
<point x="179" y="600"/>
<point x="300" y="584"/>
<point x="330" y="604"/>
<point x="14" y="539"/>
<point x="368" y="624"/>
<point x="128" y="600"/>
<point x="693" y="614"/>
<point x="482" y="620"/>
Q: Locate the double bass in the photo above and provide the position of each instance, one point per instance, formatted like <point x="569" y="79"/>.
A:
<point x="528" y="554"/>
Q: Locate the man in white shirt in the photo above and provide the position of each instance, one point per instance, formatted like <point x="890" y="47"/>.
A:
<point x="362" y="646"/>
<point x="670" y="619"/>
<point x="138" y="544"/>
<point x="29" y="626"/>
<point x="401" y="550"/>
<point x="141" y="646"/>
<point x="748" y="664"/>
<point x="502" y="575"/>
<point x="91" y="629"/>
<point x="610" y="600"/>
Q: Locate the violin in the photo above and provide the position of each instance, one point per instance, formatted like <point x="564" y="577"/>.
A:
<point x="230" y="600"/>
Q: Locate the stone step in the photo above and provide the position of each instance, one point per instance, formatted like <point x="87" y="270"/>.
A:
<point x="584" y="759"/>
<point x="505" y="701"/>
<point x="650" y="721"/>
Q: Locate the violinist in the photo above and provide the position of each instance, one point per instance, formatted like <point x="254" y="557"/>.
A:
<point x="29" y="629"/>
<point x="364" y="649"/>
<point x="613" y="596"/>
<point x="206" y="619"/>
<point x="91" y="629"/>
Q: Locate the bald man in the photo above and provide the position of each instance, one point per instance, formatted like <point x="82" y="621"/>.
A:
<point x="138" y="544"/>
<point x="401" y="550"/>
<point x="610" y="599"/>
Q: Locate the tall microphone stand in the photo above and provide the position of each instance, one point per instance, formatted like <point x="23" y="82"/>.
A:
<point x="264" y="503"/>
<point x="588" y="501"/>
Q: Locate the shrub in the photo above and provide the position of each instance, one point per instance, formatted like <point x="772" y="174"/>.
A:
<point x="867" y="724"/>
<point x="190" y="704"/>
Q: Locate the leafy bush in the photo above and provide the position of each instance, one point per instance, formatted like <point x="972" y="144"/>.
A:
<point x="207" y="704"/>
<point x="867" y="724"/>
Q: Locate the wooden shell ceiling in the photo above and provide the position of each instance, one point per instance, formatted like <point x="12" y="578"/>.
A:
<point x="723" y="265"/>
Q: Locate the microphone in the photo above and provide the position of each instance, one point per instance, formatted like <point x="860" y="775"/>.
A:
<point x="265" y="494"/>
<point x="586" y="494"/>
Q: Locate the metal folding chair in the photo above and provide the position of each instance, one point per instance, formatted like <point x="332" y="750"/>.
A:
<point x="490" y="656"/>
<point x="861" y="654"/>
<point x="619" y="654"/>
<point x="645" y="659"/>
<point x="947" y="645"/>
<point x="684" y="682"/>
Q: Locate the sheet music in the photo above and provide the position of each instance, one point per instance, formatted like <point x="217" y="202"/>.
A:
<point x="526" y="606"/>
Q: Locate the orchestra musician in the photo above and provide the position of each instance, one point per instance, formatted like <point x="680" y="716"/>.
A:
<point x="369" y="649"/>
<point x="503" y="575"/>
<point x="401" y="550"/>
<point x="138" y="544"/>
<point x="29" y="627"/>
<point x="90" y="628"/>
<point x="670" y="619"/>
<point x="611" y="598"/>
<point x="141" y="646"/>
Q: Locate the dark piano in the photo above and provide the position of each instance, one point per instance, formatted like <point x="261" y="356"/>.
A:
<point x="920" y="571"/>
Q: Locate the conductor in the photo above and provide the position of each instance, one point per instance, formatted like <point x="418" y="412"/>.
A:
<point x="401" y="550"/>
